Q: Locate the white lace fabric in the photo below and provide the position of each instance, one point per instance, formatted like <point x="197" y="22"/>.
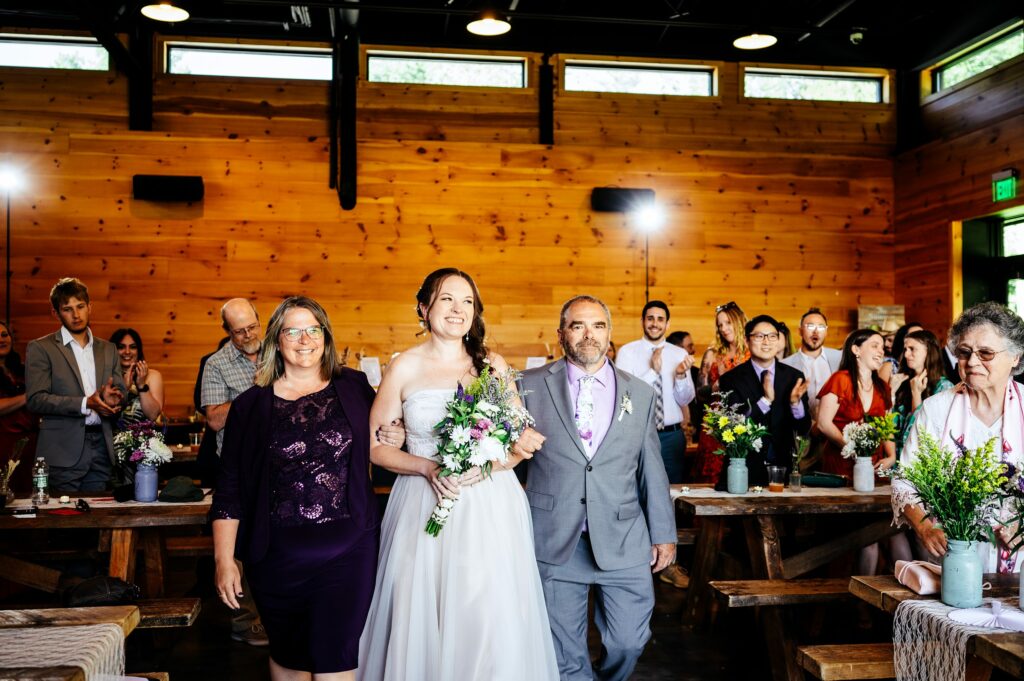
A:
<point x="928" y="645"/>
<point x="96" y="649"/>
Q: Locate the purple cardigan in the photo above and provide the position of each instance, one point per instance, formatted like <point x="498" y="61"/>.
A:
<point x="244" y="481"/>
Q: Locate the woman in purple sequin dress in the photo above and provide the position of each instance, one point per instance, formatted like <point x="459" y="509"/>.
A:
<point x="295" y="503"/>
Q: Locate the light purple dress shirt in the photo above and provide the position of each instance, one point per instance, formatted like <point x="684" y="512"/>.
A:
<point x="764" y="405"/>
<point x="604" y="401"/>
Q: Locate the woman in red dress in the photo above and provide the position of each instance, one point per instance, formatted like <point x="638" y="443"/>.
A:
<point x="852" y="394"/>
<point x="727" y="352"/>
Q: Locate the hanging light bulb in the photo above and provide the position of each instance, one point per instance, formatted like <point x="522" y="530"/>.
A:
<point x="755" y="41"/>
<point x="489" y="23"/>
<point x="164" y="11"/>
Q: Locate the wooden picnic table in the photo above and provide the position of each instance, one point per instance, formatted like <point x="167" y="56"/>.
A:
<point x="761" y="514"/>
<point x="132" y="525"/>
<point x="1000" y="650"/>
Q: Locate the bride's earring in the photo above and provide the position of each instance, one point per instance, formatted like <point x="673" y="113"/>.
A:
<point x="466" y="338"/>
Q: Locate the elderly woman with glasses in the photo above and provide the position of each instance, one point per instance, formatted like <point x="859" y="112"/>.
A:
<point x="988" y="341"/>
<point x="294" y="500"/>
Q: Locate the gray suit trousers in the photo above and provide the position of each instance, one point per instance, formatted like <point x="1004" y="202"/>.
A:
<point x="625" y="602"/>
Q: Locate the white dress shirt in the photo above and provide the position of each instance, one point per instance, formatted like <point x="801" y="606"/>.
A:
<point x="635" y="358"/>
<point x="817" y="371"/>
<point x="86" y="369"/>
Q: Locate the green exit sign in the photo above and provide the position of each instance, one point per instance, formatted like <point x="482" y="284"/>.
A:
<point x="1004" y="185"/>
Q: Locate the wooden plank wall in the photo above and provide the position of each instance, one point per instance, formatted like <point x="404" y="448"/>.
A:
<point x="773" y="226"/>
<point x="976" y="129"/>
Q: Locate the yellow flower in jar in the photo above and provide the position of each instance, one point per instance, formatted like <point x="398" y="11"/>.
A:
<point x="723" y="421"/>
<point x="740" y="429"/>
<point x="727" y="436"/>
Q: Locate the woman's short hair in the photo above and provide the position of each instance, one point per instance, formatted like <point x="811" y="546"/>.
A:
<point x="270" y="364"/>
<point x="116" y="337"/>
<point x="1002" y="319"/>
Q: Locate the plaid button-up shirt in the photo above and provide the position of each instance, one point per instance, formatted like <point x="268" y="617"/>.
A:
<point x="228" y="374"/>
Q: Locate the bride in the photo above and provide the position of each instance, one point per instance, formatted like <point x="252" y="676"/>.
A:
<point x="468" y="603"/>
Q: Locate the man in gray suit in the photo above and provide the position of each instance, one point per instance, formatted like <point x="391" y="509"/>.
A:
<point x="599" y="496"/>
<point x="73" y="383"/>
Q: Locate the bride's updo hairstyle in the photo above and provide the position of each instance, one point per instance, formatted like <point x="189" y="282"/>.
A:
<point x="473" y="341"/>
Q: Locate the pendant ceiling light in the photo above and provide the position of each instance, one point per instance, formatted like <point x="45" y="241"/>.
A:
<point x="489" y="23"/>
<point x="164" y="11"/>
<point x="755" y="41"/>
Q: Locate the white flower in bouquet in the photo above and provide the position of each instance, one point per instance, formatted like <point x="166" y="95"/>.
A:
<point x="158" y="451"/>
<point x="460" y="436"/>
<point x="860" y="440"/>
<point x="487" y="408"/>
<point x="487" y="449"/>
<point x="756" y="444"/>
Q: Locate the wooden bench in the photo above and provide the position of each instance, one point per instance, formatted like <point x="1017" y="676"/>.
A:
<point x="164" y="613"/>
<point x="746" y="593"/>
<point x="188" y="547"/>
<point x="686" y="536"/>
<point x="850" y="661"/>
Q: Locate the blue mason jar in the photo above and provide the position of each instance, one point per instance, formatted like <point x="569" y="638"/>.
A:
<point x="145" y="482"/>
<point x="961" y="575"/>
<point x="736" y="477"/>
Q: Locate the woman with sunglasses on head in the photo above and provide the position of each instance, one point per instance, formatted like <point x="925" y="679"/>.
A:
<point x="294" y="500"/>
<point x="920" y="376"/>
<point x="728" y="351"/>
<point x="988" y="341"/>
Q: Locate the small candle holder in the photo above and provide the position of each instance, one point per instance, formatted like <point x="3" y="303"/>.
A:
<point x="65" y="499"/>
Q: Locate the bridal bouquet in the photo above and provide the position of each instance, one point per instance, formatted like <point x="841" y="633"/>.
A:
<point x="738" y="434"/>
<point x="141" y="444"/>
<point x="862" y="439"/>
<point x="481" y="424"/>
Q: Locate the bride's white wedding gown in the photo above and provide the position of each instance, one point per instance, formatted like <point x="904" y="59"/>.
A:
<point x="465" y="605"/>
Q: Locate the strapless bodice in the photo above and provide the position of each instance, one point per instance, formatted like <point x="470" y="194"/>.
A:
<point x="422" y="410"/>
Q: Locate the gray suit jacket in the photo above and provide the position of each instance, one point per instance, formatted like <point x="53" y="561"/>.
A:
<point x="53" y="388"/>
<point x="622" y="491"/>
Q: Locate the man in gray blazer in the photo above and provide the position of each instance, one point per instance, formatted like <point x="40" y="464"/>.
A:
<point x="599" y="497"/>
<point x="73" y="383"/>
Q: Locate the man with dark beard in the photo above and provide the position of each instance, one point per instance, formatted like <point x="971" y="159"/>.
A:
<point x="228" y="373"/>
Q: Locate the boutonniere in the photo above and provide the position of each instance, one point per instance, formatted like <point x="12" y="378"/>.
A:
<point x="626" y="406"/>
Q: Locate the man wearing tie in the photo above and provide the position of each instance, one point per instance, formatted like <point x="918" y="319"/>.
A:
<point x="599" y="498"/>
<point x="772" y="394"/>
<point x="666" y="368"/>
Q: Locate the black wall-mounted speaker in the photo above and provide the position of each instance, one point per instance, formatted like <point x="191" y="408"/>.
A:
<point x="167" y="187"/>
<point x="620" y="199"/>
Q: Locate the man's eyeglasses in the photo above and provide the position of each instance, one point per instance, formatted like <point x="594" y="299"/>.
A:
<point x="816" y="327"/>
<point x="728" y="306"/>
<point x="242" y="333"/>
<point x="964" y="353"/>
<point x="760" y="337"/>
<point x="314" y="333"/>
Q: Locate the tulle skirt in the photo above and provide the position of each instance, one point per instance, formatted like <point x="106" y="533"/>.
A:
<point x="465" y="605"/>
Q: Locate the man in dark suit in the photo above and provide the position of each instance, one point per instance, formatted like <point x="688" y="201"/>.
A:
<point x="772" y="394"/>
<point x="74" y="385"/>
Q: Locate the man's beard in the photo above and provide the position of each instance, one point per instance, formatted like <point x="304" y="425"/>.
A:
<point x="654" y="339"/>
<point x="251" y="348"/>
<point x="578" y="358"/>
